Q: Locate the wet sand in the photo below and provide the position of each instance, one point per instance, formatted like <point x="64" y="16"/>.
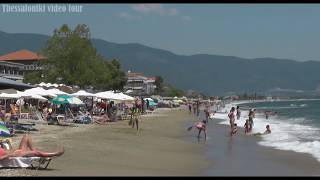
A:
<point x="160" y="148"/>
<point x="242" y="156"/>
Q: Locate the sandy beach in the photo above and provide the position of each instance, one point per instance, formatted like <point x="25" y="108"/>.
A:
<point x="160" y="149"/>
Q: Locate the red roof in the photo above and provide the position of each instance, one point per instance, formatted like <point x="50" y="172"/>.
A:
<point x="21" y="55"/>
<point x="131" y="74"/>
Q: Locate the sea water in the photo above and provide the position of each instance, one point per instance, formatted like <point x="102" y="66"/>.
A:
<point x="296" y="126"/>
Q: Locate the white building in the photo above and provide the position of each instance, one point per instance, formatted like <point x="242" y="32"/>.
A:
<point x="138" y="84"/>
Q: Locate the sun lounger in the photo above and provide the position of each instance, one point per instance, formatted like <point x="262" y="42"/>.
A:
<point x="25" y="162"/>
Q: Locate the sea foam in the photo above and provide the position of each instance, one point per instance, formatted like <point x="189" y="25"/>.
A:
<point x="287" y="134"/>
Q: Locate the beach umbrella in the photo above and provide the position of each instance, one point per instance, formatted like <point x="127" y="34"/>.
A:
<point x="4" y="131"/>
<point x="83" y="93"/>
<point x="75" y="101"/>
<point x="9" y="96"/>
<point x="66" y="99"/>
<point x="40" y="91"/>
<point x="108" y="95"/>
<point x="56" y="92"/>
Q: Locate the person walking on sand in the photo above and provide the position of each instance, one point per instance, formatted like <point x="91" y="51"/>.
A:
<point x="134" y="120"/>
<point x="194" y="108"/>
<point x="189" y="105"/>
<point x="198" y="106"/>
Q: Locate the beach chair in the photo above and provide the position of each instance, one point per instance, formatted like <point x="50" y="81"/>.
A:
<point x="25" y="162"/>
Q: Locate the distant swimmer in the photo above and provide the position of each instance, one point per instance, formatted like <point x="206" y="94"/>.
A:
<point x="267" y="113"/>
<point x="201" y="126"/>
<point x="238" y="112"/>
<point x="267" y="131"/>
<point x="231" y="116"/>
<point x="251" y="116"/>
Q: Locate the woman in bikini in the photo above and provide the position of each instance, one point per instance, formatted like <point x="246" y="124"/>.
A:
<point x="26" y="149"/>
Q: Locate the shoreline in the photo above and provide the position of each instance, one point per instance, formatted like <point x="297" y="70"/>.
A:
<point x="163" y="148"/>
<point x="243" y="156"/>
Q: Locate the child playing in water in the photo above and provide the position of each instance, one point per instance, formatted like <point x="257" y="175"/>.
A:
<point x="267" y="131"/>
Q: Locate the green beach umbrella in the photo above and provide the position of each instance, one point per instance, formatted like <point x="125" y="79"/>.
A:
<point x="4" y="131"/>
<point x="65" y="99"/>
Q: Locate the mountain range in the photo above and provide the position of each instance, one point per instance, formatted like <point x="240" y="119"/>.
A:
<point x="209" y="74"/>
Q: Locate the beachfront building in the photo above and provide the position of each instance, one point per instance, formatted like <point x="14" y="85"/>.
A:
<point x="12" y="71"/>
<point x="29" y="59"/>
<point x="139" y="84"/>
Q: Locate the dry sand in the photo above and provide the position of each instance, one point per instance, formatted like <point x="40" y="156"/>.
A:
<point x="118" y="150"/>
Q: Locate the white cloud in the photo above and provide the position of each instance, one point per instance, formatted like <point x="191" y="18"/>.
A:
<point x="155" y="9"/>
<point x="127" y="16"/>
<point x="186" y="18"/>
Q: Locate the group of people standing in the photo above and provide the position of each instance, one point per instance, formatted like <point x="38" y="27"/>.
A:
<point x="195" y="106"/>
<point x="248" y="126"/>
<point x="233" y="114"/>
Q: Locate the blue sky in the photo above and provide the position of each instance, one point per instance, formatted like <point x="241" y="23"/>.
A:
<point x="246" y="30"/>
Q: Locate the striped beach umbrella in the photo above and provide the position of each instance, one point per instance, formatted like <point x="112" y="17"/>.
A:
<point x="4" y="131"/>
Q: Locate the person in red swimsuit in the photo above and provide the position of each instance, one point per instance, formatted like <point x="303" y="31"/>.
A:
<point x="201" y="126"/>
<point x="26" y="149"/>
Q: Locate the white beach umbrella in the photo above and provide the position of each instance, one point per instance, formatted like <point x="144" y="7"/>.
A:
<point x="126" y="97"/>
<point x="9" y="96"/>
<point x="56" y="92"/>
<point x="31" y="96"/>
<point x="40" y="91"/>
<point x="83" y="93"/>
<point x="109" y="95"/>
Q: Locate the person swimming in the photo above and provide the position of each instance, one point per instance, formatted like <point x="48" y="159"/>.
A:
<point x="267" y="131"/>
